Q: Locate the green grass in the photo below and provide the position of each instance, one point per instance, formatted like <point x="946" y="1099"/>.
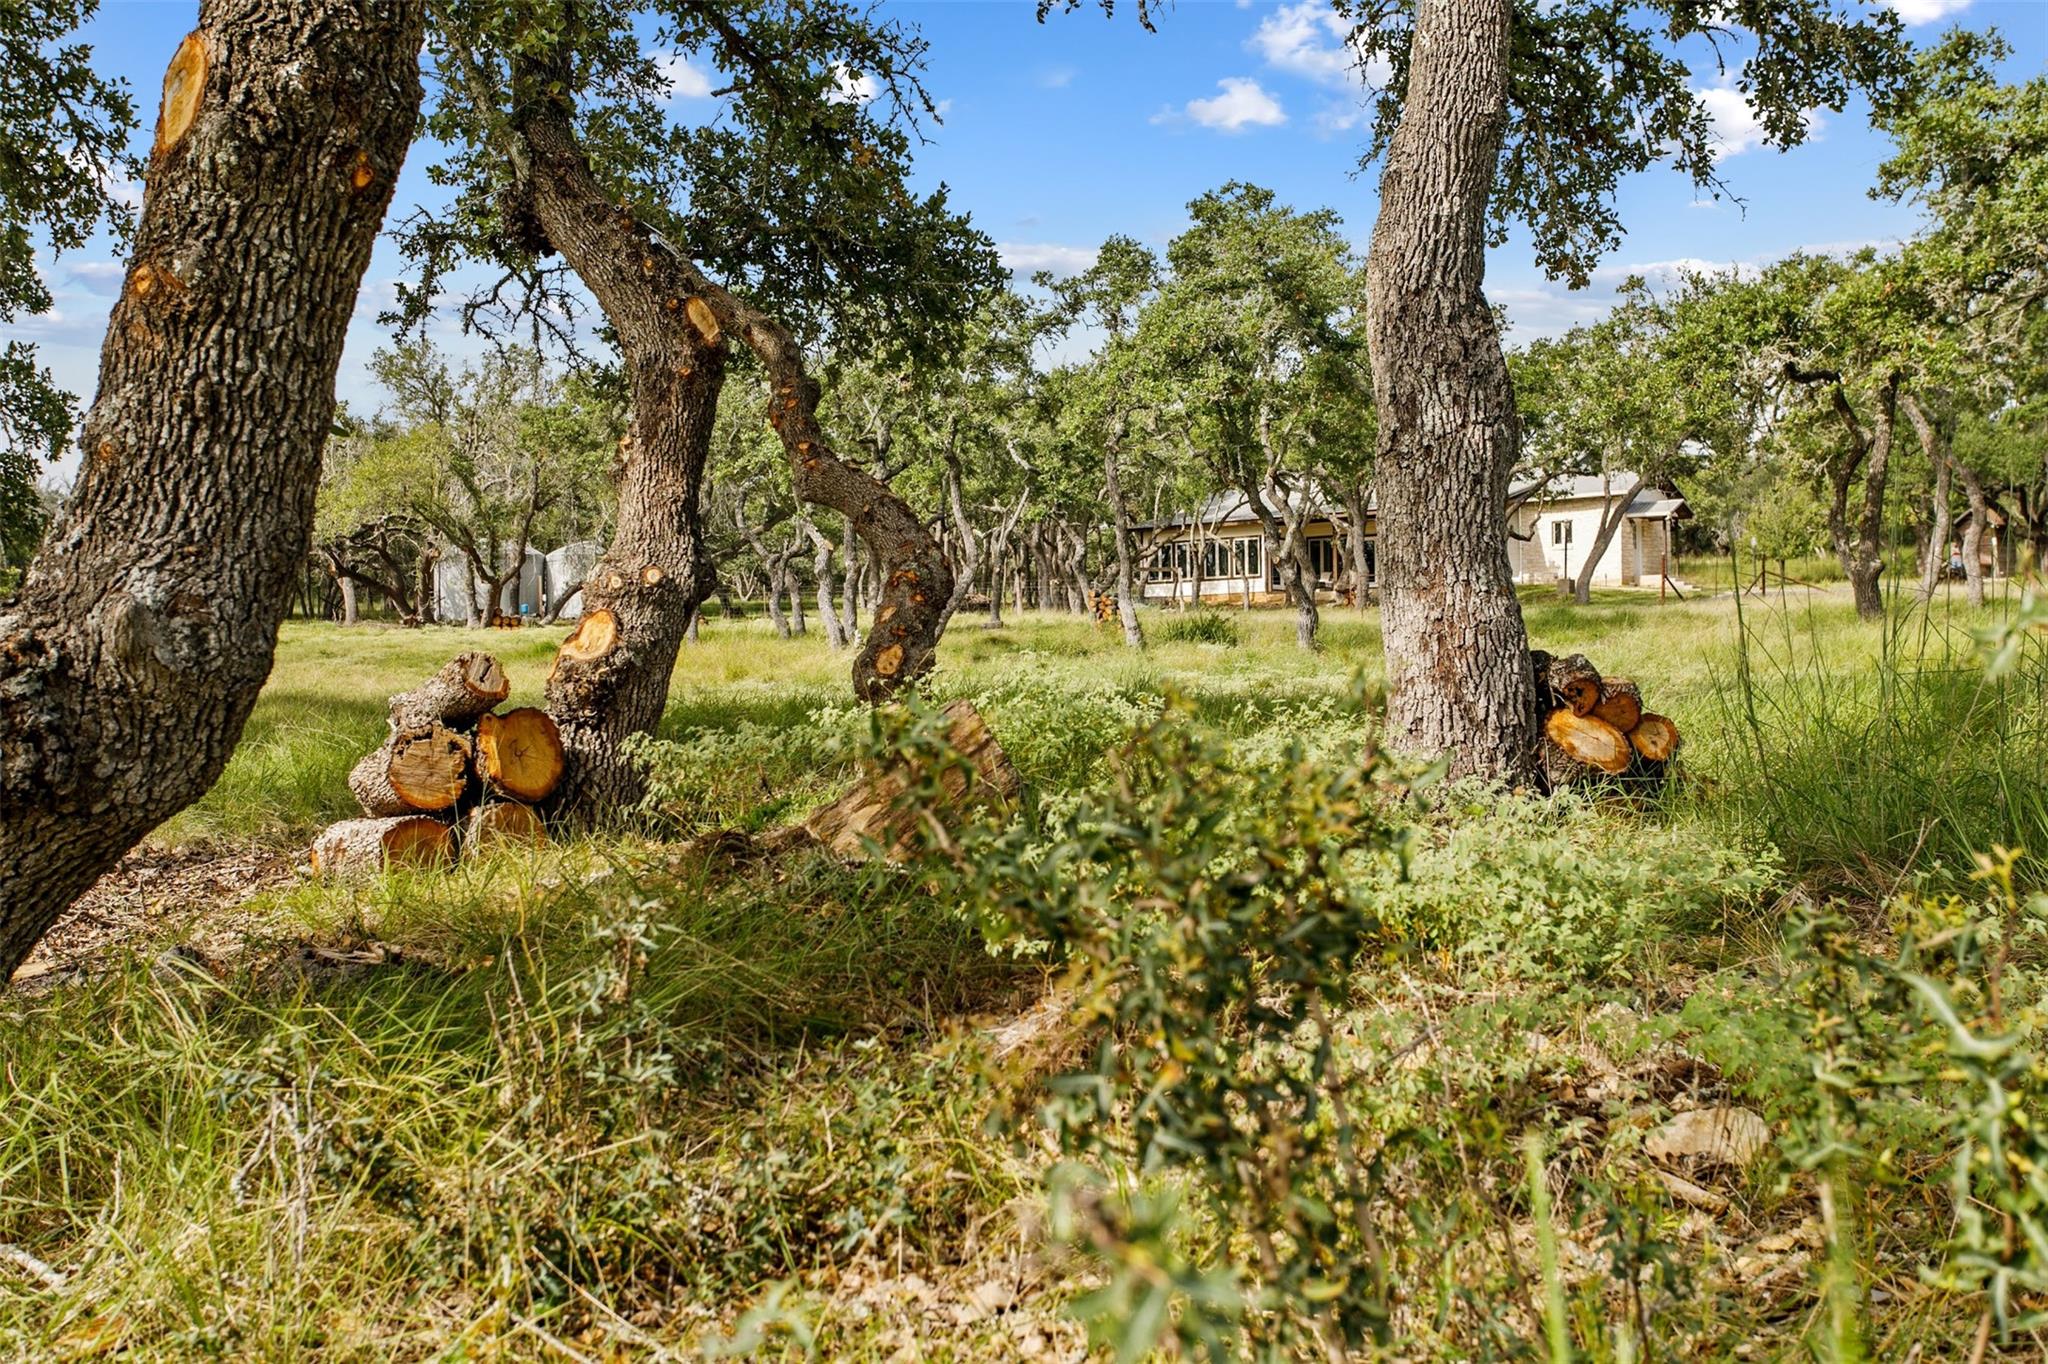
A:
<point x="632" y="1098"/>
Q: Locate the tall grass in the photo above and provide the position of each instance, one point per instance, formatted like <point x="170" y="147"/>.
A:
<point x="1866" y="768"/>
<point x="578" y="1081"/>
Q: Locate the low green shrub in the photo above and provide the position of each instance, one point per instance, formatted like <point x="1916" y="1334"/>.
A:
<point x="1200" y="627"/>
<point x="1521" y="887"/>
<point x="1058" y="730"/>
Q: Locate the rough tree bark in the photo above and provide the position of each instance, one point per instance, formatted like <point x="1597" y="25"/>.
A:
<point x="146" y="625"/>
<point x="1457" y="652"/>
<point x="902" y="643"/>
<point x="639" y="597"/>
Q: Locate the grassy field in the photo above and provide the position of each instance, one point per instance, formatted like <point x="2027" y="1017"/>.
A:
<point x="637" y="1098"/>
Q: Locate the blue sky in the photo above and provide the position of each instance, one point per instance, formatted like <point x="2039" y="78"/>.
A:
<point x="1057" y="135"/>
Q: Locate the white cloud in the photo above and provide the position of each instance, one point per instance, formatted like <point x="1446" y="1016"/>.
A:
<point x="1311" y="39"/>
<point x="852" y="89"/>
<point x="1735" y="126"/>
<point x="102" y="277"/>
<point x="684" y="80"/>
<point x="943" y="107"/>
<point x="1027" y="258"/>
<point x="1243" y="104"/>
<point x="1927" y="11"/>
<point x="1054" y="77"/>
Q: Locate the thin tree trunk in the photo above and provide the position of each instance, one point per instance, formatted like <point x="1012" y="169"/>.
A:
<point x="145" y="627"/>
<point x="1611" y="521"/>
<point x="821" y="565"/>
<point x="1940" y="525"/>
<point x="1361" y="573"/>
<point x="1859" y="545"/>
<point x="963" y="526"/>
<point x="1283" y="543"/>
<point x="1457" y="653"/>
<point x="348" y="599"/>
<point x="1126" y="555"/>
<point x="1973" y="534"/>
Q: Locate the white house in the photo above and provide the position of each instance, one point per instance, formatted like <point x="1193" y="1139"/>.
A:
<point x="1220" y="554"/>
<point x="1551" y="529"/>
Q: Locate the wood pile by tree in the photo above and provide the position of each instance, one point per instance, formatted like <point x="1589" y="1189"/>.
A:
<point x="1594" y="731"/>
<point x="453" y="776"/>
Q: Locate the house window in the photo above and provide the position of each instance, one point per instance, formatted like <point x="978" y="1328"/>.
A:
<point x="1560" y="532"/>
<point x="1244" y="558"/>
<point x="1322" y="557"/>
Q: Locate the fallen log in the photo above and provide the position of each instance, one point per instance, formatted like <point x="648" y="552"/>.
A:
<point x="471" y="685"/>
<point x="519" y="754"/>
<point x="1575" y="748"/>
<point x="1621" y="703"/>
<point x="419" y="771"/>
<point x="501" y="823"/>
<point x="1655" y="737"/>
<point x="370" y="845"/>
<point x="868" y="813"/>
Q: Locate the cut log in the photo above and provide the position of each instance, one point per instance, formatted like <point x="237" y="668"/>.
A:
<point x="471" y="685"/>
<point x="1655" y="737"/>
<point x="1621" y="703"/>
<point x="519" y="753"/>
<point x="417" y="771"/>
<point x="500" y="824"/>
<point x="868" y="812"/>
<point x="1572" y="680"/>
<point x="357" y="846"/>
<point x="1584" y="741"/>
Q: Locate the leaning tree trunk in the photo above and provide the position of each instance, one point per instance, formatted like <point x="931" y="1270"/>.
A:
<point x="963" y="526"/>
<point x="611" y="677"/>
<point x="902" y="644"/>
<point x="1457" y="654"/>
<point x="144" y="629"/>
<point x="1610" y="521"/>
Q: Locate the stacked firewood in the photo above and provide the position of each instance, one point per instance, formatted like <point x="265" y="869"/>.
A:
<point x="1595" y="730"/>
<point x="452" y="776"/>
